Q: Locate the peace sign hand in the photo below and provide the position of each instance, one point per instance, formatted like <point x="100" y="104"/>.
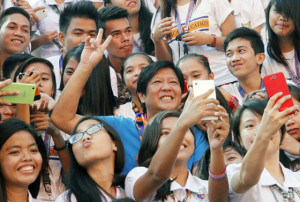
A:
<point x="93" y="50"/>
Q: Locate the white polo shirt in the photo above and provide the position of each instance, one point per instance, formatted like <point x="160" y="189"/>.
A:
<point x="261" y="192"/>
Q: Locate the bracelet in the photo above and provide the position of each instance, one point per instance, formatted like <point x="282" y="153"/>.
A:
<point x="217" y="177"/>
<point x="213" y="44"/>
<point x="60" y="148"/>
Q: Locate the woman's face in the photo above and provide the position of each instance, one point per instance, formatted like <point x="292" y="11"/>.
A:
<point x="249" y="125"/>
<point x="280" y="24"/>
<point x="132" y="6"/>
<point x="7" y="112"/>
<point x="293" y="124"/>
<point x="20" y="159"/>
<point x="187" y="147"/>
<point x="132" y="69"/>
<point x="70" y="69"/>
<point x="46" y="80"/>
<point x="93" y="148"/>
<point x="192" y="69"/>
<point x="232" y="156"/>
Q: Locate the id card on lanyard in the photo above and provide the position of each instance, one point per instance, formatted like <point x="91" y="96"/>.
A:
<point x="187" y="23"/>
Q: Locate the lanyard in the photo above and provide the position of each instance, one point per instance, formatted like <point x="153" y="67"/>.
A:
<point x="287" y="196"/>
<point x="292" y="74"/>
<point x="140" y="122"/>
<point x="54" y="8"/>
<point x="186" y="199"/>
<point x="61" y="62"/>
<point x="187" y="24"/>
<point x="137" y="46"/>
<point x="242" y="91"/>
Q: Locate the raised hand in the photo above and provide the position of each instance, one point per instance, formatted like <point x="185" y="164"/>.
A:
<point x="93" y="50"/>
<point x="218" y="130"/>
<point x="163" y="28"/>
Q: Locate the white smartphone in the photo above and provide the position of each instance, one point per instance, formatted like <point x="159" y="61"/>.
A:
<point x="202" y="86"/>
<point x="41" y="14"/>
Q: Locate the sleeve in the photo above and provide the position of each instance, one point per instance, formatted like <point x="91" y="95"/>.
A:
<point x="63" y="197"/>
<point x="201" y="145"/>
<point x="259" y="18"/>
<point x="131" y="178"/>
<point x="221" y="9"/>
<point x="231" y="170"/>
<point x="155" y="20"/>
<point x="113" y="81"/>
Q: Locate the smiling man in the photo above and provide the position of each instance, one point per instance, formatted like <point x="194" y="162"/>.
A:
<point x="244" y="50"/>
<point x="15" y="26"/>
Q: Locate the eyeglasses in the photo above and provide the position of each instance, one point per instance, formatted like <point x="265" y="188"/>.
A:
<point x="90" y="131"/>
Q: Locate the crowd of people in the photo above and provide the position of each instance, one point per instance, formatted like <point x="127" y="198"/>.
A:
<point x="117" y="118"/>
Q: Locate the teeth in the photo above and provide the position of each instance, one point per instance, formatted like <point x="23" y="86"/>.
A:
<point x="182" y="146"/>
<point x="18" y="41"/>
<point x="27" y="168"/>
<point x="166" y="98"/>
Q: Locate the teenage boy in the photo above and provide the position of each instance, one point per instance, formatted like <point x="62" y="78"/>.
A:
<point x="15" y="27"/>
<point x="244" y="51"/>
<point x="165" y="95"/>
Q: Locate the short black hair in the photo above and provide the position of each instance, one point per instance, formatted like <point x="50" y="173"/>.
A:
<point x="81" y="9"/>
<point x="11" y="62"/>
<point x="248" y="34"/>
<point x="110" y="13"/>
<point x="11" y="11"/>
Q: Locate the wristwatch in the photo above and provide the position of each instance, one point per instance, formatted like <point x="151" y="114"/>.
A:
<point x="213" y="44"/>
<point x="233" y="103"/>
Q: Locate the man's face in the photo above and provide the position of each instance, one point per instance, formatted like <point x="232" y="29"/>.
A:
<point x="15" y="34"/>
<point x="241" y="58"/>
<point x="79" y="29"/>
<point x="121" y="44"/>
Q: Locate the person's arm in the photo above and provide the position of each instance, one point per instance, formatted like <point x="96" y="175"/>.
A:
<point x="164" y="159"/>
<point x="290" y="145"/>
<point x="64" y="115"/>
<point x="254" y="161"/>
<point x="201" y="38"/>
<point x="45" y="39"/>
<point x="162" y="48"/>
<point x="217" y="134"/>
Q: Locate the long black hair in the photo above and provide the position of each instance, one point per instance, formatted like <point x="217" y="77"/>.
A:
<point x="290" y="9"/>
<point x="98" y="98"/>
<point x="149" y="146"/>
<point x="79" y="182"/>
<point x="9" y="128"/>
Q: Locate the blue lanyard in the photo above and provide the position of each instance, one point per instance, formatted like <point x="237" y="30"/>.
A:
<point x="295" y="78"/>
<point x="188" y="18"/>
<point x="242" y="91"/>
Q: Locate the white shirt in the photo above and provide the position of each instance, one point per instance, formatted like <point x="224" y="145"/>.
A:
<point x="125" y="110"/>
<point x="261" y="192"/>
<point x="104" y="197"/>
<point x="208" y="17"/>
<point x="195" y="185"/>
<point x="233" y="89"/>
<point x="243" y="13"/>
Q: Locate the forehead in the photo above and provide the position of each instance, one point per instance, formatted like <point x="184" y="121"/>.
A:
<point x="85" y="24"/>
<point x="87" y="123"/>
<point x="116" y="24"/>
<point x="169" y="122"/>
<point x="165" y="72"/>
<point x="249" y="115"/>
<point x="190" y="65"/>
<point x="39" y="67"/>
<point x="237" y="43"/>
<point x="136" y="60"/>
<point x="18" y="19"/>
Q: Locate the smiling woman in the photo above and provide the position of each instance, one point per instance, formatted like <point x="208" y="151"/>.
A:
<point x="22" y="161"/>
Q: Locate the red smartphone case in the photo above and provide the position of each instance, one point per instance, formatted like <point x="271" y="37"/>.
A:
<point x="275" y="83"/>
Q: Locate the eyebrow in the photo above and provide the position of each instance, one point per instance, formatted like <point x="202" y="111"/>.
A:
<point x="14" y="23"/>
<point x="18" y="146"/>
<point x="118" y="30"/>
<point x="70" y="68"/>
<point x="45" y="73"/>
<point x="81" y="30"/>
<point x="138" y="64"/>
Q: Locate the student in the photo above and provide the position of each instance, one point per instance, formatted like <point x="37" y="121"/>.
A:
<point x="139" y="18"/>
<point x="283" y="42"/>
<point x="130" y="71"/>
<point x="244" y="50"/>
<point x="233" y="152"/>
<point x="114" y="21"/>
<point x="259" y="127"/>
<point x="54" y="141"/>
<point x="15" y="28"/>
<point x="97" y="96"/>
<point x="23" y="159"/>
<point x="94" y="173"/>
<point x="77" y="22"/>
<point x="206" y="24"/>
<point x="167" y="145"/>
<point x="163" y="94"/>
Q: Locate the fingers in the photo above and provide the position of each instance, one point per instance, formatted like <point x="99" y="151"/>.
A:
<point x="5" y="83"/>
<point x="272" y="100"/>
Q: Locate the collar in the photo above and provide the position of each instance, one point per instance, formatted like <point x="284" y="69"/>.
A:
<point x="291" y="179"/>
<point x="193" y="184"/>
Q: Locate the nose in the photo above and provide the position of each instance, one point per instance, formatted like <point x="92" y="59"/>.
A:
<point x="290" y="122"/>
<point x="166" y="86"/>
<point x="283" y="17"/>
<point x="83" y="38"/>
<point x="27" y="156"/>
<point x="8" y="111"/>
<point x="86" y="137"/>
<point x="18" y="32"/>
<point x="125" y="36"/>
<point x="235" y="57"/>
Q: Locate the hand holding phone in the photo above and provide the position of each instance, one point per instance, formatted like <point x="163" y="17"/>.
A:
<point x="202" y="86"/>
<point x="25" y="94"/>
<point x="276" y="83"/>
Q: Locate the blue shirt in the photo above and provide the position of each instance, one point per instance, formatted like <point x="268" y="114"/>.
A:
<point x="129" y="134"/>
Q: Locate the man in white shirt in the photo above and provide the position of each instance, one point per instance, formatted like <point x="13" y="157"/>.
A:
<point x="244" y="50"/>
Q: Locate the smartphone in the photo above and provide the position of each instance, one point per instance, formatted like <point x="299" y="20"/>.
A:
<point x="275" y="83"/>
<point x="185" y="88"/>
<point x="26" y="93"/>
<point x="41" y="14"/>
<point x="57" y="43"/>
<point x="202" y="86"/>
